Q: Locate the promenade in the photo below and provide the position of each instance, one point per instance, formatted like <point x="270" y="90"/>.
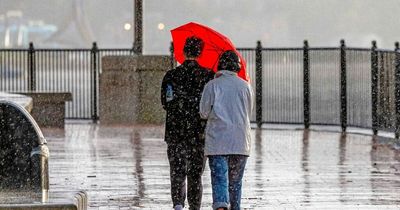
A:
<point x="127" y="168"/>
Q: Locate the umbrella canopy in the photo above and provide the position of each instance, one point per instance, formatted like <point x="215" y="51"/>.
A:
<point x="215" y="44"/>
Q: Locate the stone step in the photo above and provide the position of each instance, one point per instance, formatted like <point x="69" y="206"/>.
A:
<point x="33" y="201"/>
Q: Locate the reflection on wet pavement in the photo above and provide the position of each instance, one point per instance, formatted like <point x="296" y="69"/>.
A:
<point x="127" y="168"/>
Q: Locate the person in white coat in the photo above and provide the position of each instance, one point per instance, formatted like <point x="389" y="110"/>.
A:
<point x="226" y="103"/>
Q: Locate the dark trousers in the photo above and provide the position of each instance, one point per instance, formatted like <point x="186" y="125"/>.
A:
<point x="186" y="161"/>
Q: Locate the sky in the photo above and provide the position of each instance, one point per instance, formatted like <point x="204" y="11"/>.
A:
<point x="277" y="23"/>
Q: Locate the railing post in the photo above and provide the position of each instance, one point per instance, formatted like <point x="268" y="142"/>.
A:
<point x="306" y="85"/>
<point x="343" y="86"/>
<point x="94" y="56"/>
<point x="374" y="87"/>
<point x="397" y="89"/>
<point x="171" y="50"/>
<point x="259" y="88"/>
<point x="31" y="68"/>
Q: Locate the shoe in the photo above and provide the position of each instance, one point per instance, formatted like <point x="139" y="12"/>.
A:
<point x="178" y="207"/>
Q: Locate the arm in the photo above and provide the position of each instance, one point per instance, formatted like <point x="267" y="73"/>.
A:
<point x="206" y="102"/>
<point x="163" y="91"/>
<point x="250" y="99"/>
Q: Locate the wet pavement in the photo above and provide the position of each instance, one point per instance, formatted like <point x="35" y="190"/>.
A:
<point x="127" y="168"/>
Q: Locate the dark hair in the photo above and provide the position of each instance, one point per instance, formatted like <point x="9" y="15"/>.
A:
<point x="229" y="60"/>
<point x="193" y="47"/>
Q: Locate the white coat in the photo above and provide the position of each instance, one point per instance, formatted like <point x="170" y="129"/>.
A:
<point x="227" y="104"/>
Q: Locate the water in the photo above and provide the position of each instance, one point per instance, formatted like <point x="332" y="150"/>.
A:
<point x="127" y="168"/>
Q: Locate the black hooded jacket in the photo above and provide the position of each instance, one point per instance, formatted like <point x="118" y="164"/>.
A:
<point x="183" y="120"/>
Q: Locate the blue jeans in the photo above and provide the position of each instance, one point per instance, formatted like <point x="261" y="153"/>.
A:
<point x="226" y="179"/>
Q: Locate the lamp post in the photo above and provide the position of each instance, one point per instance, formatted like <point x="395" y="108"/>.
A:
<point x="138" y="27"/>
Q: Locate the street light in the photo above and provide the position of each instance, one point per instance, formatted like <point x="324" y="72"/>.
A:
<point x="138" y="27"/>
<point x="127" y="26"/>
<point x="161" y="26"/>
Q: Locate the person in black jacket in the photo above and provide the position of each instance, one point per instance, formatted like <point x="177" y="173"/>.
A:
<point x="184" y="129"/>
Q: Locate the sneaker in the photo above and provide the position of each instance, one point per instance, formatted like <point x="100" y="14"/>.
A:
<point x="178" y="207"/>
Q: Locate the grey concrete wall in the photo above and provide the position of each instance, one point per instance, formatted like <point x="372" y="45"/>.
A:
<point x="129" y="89"/>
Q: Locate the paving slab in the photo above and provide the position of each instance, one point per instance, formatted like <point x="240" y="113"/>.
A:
<point x="127" y="168"/>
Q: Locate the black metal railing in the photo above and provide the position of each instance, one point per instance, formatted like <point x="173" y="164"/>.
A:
<point x="341" y="85"/>
<point x="57" y="70"/>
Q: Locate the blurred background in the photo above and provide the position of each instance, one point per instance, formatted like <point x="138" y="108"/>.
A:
<point x="283" y="23"/>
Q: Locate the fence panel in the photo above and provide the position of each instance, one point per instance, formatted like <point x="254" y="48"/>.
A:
<point x="14" y="72"/>
<point x="358" y="63"/>
<point x="325" y="86"/>
<point x="249" y="55"/>
<point x="57" y="70"/>
<point x="283" y="85"/>
<point x="66" y="71"/>
<point x="386" y="91"/>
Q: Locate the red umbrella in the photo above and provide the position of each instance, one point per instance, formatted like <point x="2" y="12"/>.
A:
<point x="215" y="44"/>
